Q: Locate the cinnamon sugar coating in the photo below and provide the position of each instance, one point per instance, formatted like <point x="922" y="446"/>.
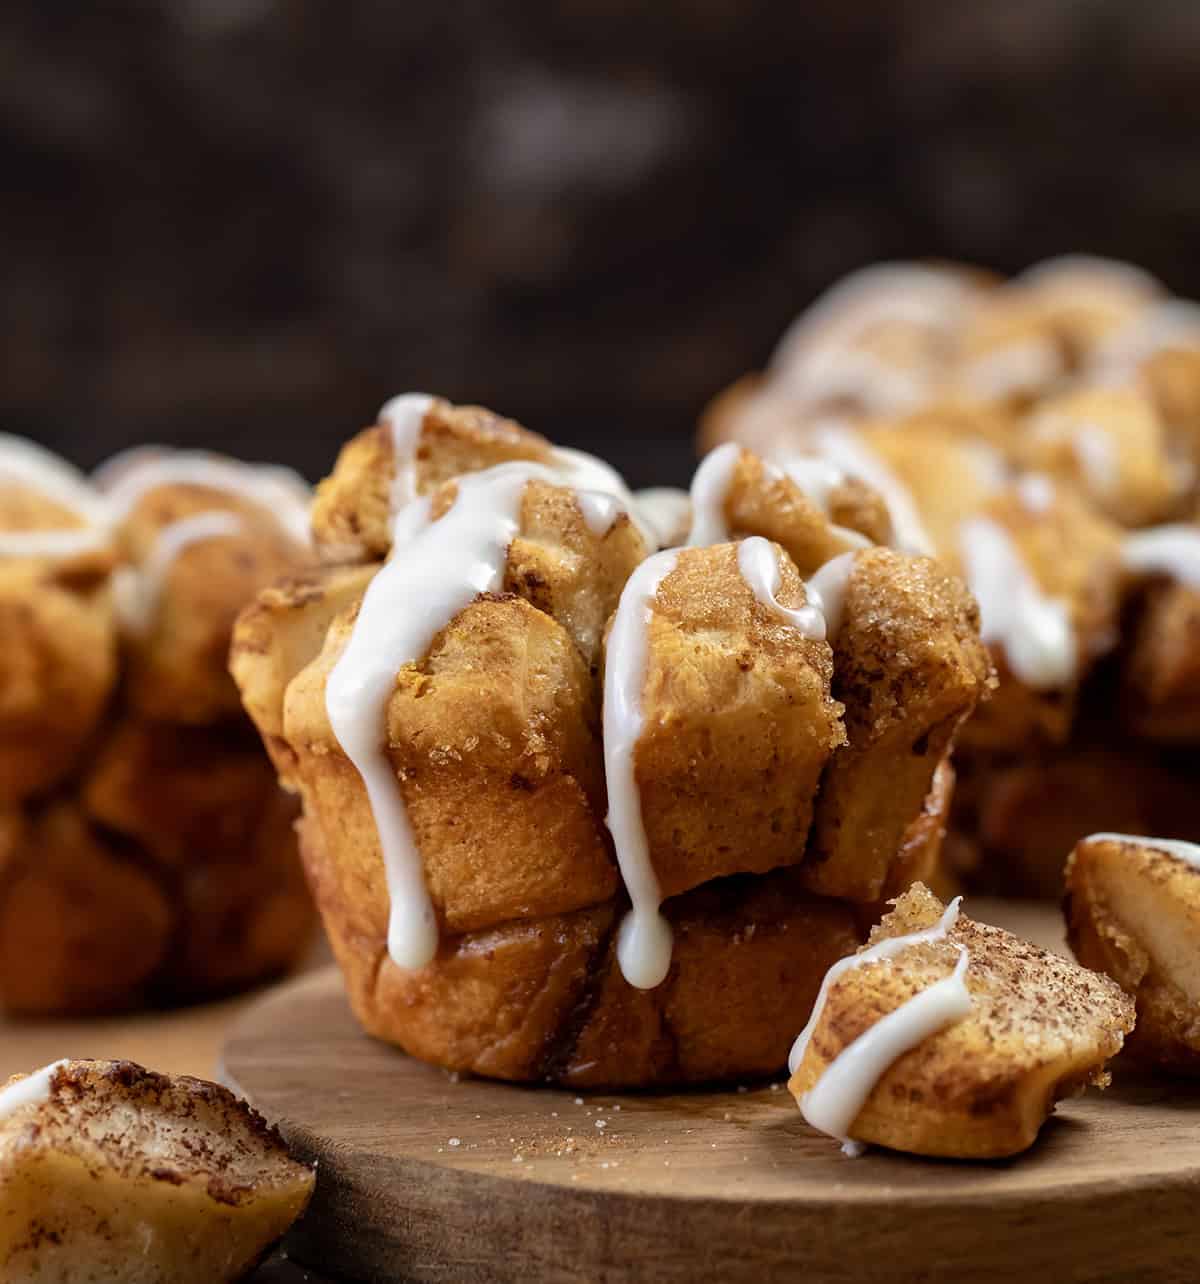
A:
<point x="122" y="1174"/>
<point x="1040" y="1029"/>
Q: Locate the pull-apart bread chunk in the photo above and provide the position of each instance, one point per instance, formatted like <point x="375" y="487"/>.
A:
<point x="946" y="1037"/>
<point x="147" y="852"/>
<point x="1133" y="911"/>
<point x="909" y="669"/>
<point x="112" y="1173"/>
<point x="560" y="788"/>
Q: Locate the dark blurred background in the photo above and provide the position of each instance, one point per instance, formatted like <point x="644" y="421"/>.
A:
<point x="245" y="223"/>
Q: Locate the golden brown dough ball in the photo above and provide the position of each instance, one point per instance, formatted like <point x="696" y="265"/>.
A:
<point x="909" y="669"/>
<point x="1072" y="555"/>
<point x="763" y="500"/>
<point x="1111" y="443"/>
<point x="58" y="668"/>
<point x="177" y="620"/>
<point x="352" y="509"/>
<point x="738" y="724"/>
<point x="84" y="925"/>
<point x="501" y="711"/>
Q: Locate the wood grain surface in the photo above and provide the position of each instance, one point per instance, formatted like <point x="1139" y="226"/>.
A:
<point x="422" y="1177"/>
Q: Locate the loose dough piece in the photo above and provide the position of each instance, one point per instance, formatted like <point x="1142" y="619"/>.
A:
<point x="1133" y="910"/>
<point x="109" y="1172"/>
<point x="1040" y="1029"/>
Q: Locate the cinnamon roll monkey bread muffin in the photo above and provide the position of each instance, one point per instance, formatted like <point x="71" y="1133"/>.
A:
<point x="580" y="808"/>
<point x="146" y="851"/>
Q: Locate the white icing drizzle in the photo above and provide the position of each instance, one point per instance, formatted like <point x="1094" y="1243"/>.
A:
<point x="404" y="416"/>
<point x="26" y="464"/>
<point x="831" y="373"/>
<point x="821" y="357"/>
<point x="826" y="591"/>
<point x="847" y="449"/>
<point x="884" y="949"/>
<point x="72" y="542"/>
<point x="1097" y="458"/>
<point x="667" y="511"/>
<point x="915" y="293"/>
<point x="1189" y="853"/>
<point x="32" y="1090"/>
<point x="1035" y="630"/>
<point x="988" y="464"/>
<point x="644" y="941"/>
<point x="600" y="490"/>
<point x="1036" y="492"/>
<point x="445" y="565"/>
<point x="1172" y="550"/>
<point x="1090" y="443"/>
<point x="815" y="476"/>
<point x="282" y="493"/>
<point x="834" y="1101"/>
<point x="137" y="591"/>
<point x="1173" y="323"/>
<point x="710" y="488"/>
<point x="758" y="562"/>
<point x="1089" y="276"/>
<point x="1013" y="368"/>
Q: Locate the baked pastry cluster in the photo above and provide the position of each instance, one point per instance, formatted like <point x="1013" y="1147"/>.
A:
<point x="112" y="1172"/>
<point x="502" y="648"/>
<point x="146" y="852"/>
<point x="1041" y="435"/>
<point x="946" y="1037"/>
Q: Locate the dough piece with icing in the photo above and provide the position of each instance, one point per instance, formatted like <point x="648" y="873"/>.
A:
<point x="195" y="554"/>
<point x="1112" y="444"/>
<point x="109" y="1171"/>
<point x="978" y="1079"/>
<point x="1046" y="571"/>
<point x="1133" y="910"/>
<point x="733" y="725"/>
<point x="280" y="632"/>
<point x="735" y="494"/>
<point x="909" y="669"/>
<point x="761" y="944"/>
<point x="418" y="443"/>
<point x="493" y="740"/>
<point x="948" y="464"/>
<point x="1009" y="350"/>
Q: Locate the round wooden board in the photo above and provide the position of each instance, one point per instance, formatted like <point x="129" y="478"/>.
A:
<point x="422" y="1177"/>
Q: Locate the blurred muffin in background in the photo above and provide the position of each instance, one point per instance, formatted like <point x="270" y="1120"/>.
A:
<point x="1042" y="436"/>
<point x="146" y="853"/>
